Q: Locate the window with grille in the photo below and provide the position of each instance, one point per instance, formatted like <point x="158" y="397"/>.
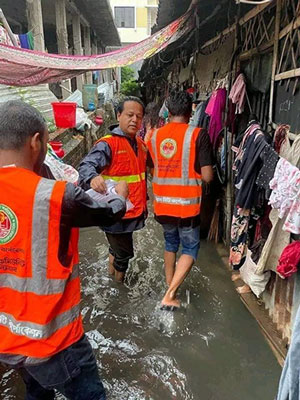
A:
<point x="125" y="17"/>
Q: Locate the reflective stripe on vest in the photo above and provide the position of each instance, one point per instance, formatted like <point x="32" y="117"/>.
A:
<point x="186" y="153"/>
<point x="128" y="178"/>
<point x="178" y="200"/>
<point x="39" y="283"/>
<point x="37" y="331"/>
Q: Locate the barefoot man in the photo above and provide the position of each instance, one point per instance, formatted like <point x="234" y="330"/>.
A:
<point x="181" y="156"/>
<point x="120" y="156"/>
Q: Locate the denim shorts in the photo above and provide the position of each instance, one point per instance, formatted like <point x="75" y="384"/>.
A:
<point x="187" y="236"/>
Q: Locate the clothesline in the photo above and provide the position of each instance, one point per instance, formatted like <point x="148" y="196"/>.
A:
<point x="20" y="67"/>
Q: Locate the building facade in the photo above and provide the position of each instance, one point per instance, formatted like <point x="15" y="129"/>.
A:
<point x="134" y="18"/>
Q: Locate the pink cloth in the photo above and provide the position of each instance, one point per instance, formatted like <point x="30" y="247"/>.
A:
<point x="214" y="109"/>
<point x="285" y="187"/>
<point x="238" y="93"/>
<point x="22" y="67"/>
<point x="289" y="260"/>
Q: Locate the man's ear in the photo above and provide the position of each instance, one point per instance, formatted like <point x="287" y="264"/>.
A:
<point x="118" y="116"/>
<point x="36" y="142"/>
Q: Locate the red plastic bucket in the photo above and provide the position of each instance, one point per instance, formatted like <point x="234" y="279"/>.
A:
<point x="64" y="114"/>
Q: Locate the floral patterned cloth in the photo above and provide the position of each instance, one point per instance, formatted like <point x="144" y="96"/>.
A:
<point x="285" y="194"/>
<point x="239" y="237"/>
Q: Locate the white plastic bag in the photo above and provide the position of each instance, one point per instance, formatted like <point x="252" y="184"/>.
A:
<point x="256" y="282"/>
<point x="60" y="170"/>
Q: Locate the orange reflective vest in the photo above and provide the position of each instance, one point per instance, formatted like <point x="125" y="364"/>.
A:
<point x="126" y="166"/>
<point x="39" y="297"/>
<point x="177" y="187"/>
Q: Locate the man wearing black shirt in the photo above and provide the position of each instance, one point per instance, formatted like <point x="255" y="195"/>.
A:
<point x="177" y="188"/>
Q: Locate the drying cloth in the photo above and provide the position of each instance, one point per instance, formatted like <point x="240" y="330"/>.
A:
<point x="266" y="174"/>
<point x="289" y="260"/>
<point x="280" y="136"/>
<point x="5" y="38"/>
<point x="248" y="171"/>
<point x="285" y="187"/>
<point x="30" y="39"/>
<point x="24" y="41"/>
<point x="239" y="237"/>
<point x="214" y="109"/>
<point x="22" y="67"/>
<point x="238" y="93"/>
<point x="278" y="239"/>
<point x="292" y="222"/>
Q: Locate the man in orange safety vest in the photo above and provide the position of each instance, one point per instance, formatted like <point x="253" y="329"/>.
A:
<point x="181" y="156"/>
<point x="40" y="321"/>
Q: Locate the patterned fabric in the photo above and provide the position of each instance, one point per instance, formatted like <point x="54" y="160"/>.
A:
<point x="238" y="93"/>
<point x="21" y="67"/>
<point x="292" y="222"/>
<point x="285" y="187"/>
<point x="239" y="237"/>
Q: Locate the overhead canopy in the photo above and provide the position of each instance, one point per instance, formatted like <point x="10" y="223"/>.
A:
<point x="97" y="13"/>
<point x="20" y="67"/>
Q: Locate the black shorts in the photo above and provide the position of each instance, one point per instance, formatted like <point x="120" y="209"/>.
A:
<point x="121" y="247"/>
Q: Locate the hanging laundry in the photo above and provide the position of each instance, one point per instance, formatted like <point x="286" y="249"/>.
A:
<point x="270" y="159"/>
<point x="280" y="136"/>
<point x="24" y="41"/>
<point x="200" y="118"/>
<point x="27" y="41"/>
<point x="5" y="39"/>
<point x="278" y="239"/>
<point x="247" y="166"/>
<point x="285" y="187"/>
<point x="292" y="222"/>
<point x="30" y="39"/>
<point x="239" y="237"/>
<point x="215" y="109"/>
<point x="238" y="93"/>
<point x="289" y="260"/>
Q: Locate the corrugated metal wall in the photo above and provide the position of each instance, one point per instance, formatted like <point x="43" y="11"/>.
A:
<point x="39" y="97"/>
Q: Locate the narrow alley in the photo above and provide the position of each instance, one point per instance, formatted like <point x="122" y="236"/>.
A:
<point x="212" y="349"/>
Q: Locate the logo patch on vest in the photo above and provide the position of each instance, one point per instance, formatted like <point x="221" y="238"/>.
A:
<point x="168" y="148"/>
<point x="8" y="224"/>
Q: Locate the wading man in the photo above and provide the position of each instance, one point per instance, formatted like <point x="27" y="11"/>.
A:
<point x="40" y="323"/>
<point x="120" y="155"/>
<point x="181" y="156"/>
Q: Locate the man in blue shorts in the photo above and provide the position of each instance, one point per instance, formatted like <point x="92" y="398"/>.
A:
<point x="182" y="157"/>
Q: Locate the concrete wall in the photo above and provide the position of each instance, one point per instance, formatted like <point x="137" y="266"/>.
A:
<point x="144" y="19"/>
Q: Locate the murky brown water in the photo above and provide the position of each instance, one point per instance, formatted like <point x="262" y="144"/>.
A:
<point x="211" y="349"/>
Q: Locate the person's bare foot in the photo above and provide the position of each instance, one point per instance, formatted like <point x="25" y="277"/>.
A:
<point x="119" y="276"/>
<point x="243" y="289"/>
<point x="235" y="277"/>
<point x="170" y="301"/>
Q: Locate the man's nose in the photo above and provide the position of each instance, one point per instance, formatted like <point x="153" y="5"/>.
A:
<point x="134" y="118"/>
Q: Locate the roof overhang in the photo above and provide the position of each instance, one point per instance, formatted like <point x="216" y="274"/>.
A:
<point x="100" y="16"/>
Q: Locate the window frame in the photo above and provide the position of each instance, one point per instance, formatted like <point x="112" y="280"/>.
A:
<point x="134" y="16"/>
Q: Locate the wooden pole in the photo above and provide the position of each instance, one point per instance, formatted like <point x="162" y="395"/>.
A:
<point x="7" y="27"/>
<point x="35" y="23"/>
<point x="77" y="42"/>
<point x="88" y="51"/>
<point x="62" y="38"/>
<point x="275" y="58"/>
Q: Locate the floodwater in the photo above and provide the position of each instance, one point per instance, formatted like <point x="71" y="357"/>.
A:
<point x="212" y="349"/>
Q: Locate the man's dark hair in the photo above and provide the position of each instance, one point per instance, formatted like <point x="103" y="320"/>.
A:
<point x="179" y="104"/>
<point x="120" y="107"/>
<point x="18" y="122"/>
